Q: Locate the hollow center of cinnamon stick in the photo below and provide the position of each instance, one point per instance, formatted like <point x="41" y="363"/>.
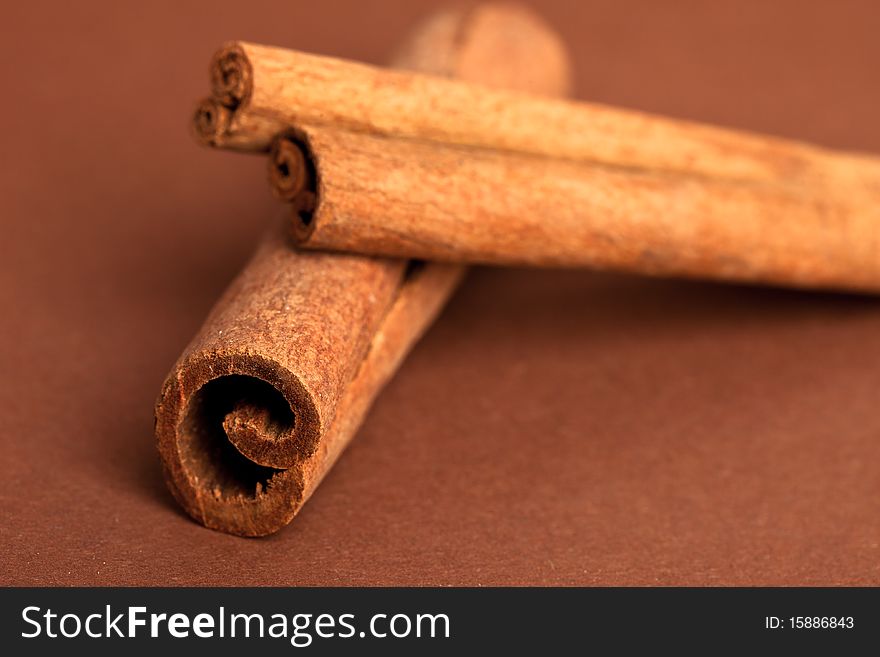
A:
<point x="223" y="413"/>
<point x="211" y="120"/>
<point x="293" y="176"/>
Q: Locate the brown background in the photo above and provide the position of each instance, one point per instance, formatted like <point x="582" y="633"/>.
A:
<point x="552" y="428"/>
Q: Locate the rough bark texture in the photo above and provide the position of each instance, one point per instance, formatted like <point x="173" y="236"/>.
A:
<point x="398" y="197"/>
<point x="278" y="380"/>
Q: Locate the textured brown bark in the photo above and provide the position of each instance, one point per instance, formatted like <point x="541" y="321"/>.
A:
<point x="398" y="197"/>
<point x="291" y="87"/>
<point x="279" y="378"/>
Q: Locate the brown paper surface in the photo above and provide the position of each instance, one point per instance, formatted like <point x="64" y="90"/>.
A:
<point x="552" y="427"/>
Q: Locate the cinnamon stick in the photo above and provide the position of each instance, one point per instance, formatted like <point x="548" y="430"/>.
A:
<point x="472" y="47"/>
<point x="262" y="83"/>
<point x="395" y="197"/>
<point x="279" y="378"/>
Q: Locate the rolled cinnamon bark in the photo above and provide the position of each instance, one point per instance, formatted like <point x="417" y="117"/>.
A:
<point x="263" y="83"/>
<point x="216" y="125"/>
<point x="473" y="42"/>
<point x="279" y="378"/>
<point x="395" y="197"/>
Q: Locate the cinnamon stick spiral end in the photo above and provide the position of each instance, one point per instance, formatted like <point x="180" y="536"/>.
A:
<point x="231" y="442"/>
<point x="293" y="177"/>
<point x="231" y="75"/>
<point x="210" y="122"/>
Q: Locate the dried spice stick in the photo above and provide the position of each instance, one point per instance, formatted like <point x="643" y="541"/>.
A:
<point x="471" y="47"/>
<point x="281" y="375"/>
<point x="394" y="197"/>
<point x="262" y="83"/>
<point x="279" y="378"/>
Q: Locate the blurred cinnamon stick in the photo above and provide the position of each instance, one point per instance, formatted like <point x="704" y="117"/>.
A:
<point x="402" y="197"/>
<point x="276" y="383"/>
